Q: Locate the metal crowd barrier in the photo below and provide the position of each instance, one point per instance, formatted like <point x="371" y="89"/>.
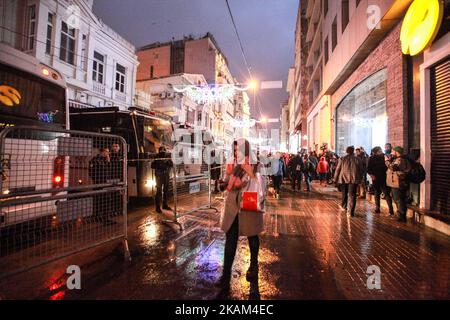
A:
<point x="61" y="192"/>
<point x="192" y="184"/>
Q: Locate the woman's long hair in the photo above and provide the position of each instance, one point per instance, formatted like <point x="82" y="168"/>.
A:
<point x="245" y="144"/>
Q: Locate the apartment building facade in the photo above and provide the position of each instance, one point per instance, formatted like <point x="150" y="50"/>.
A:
<point x="340" y="46"/>
<point x="284" y="128"/>
<point x="299" y="81"/>
<point x="294" y="137"/>
<point x="242" y="116"/>
<point x="191" y="55"/>
<point x="363" y="89"/>
<point x="180" y="107"/>
<point x="99" y="65"/>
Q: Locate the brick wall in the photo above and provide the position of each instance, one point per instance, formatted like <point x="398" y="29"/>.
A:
<point x="388" y="55"/>
<point x="158" y="57"/>
<point x="199" y="59"/>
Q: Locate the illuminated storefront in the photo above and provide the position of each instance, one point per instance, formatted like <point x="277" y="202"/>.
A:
<point x="361" y="118"/>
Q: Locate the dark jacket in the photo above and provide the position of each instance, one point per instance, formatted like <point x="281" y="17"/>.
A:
<point x="349" y="170"/>
<point x="215" y="167"/>
<point x="308" y="167"/>
<point x="314" y="160"/>
<point x="99" y="169"/>
<point x="296" y="166"/>
<point x="377" y="167"/>
<point x="162" y="163"/>
<point x="116" y="166"/>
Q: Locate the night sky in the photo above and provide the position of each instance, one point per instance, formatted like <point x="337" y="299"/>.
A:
<point x="266" y="28"/>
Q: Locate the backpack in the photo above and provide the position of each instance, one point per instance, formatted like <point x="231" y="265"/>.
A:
<point x="417" y="173"/>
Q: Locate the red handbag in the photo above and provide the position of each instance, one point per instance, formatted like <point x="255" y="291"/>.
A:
<point x="249" y="201"/>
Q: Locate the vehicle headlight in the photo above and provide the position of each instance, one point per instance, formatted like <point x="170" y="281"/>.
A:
<point x="150" y="183"/>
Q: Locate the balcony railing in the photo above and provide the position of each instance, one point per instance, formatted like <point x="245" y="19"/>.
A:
<point x="121" y="97"/>
<point x="99" y="88"/>
<point x="79" y="105"/>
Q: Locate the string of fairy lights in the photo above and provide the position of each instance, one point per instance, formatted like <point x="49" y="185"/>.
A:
<point x="212" y="94"/>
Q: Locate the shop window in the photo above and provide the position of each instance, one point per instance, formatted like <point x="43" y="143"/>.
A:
<point x="361" y="118"/>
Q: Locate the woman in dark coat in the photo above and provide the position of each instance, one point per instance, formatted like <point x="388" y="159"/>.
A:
<point x="234" y="222"/>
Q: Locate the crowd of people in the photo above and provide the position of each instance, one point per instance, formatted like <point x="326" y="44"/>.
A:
<point x="384" y="174"/>
<point x="390" y="174"/>
<point x="298" y="168"/>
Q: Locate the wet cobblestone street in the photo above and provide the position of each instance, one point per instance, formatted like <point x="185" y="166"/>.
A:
<point x="309" y="250"/>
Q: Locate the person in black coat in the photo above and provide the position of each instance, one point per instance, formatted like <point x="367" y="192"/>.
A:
<point x="100" y="173"/>
<point x="100" y="167"/>
<point x="376" y="168"/>
<point x="162" y="166"/>
<point x="215" y="170"/>
<point x="116" y="163"/>
<point x="116" y="177"/>
<point x="295" y="167"/>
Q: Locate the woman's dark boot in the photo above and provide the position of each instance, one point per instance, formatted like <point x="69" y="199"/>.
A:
<point x="252" y="272"/>
<point x="225" y="279"/>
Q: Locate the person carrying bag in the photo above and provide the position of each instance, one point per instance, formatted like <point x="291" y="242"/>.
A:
<point x="245" y="193"/>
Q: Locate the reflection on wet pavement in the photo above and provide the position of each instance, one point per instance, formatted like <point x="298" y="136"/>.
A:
<point x="309" y="250"/>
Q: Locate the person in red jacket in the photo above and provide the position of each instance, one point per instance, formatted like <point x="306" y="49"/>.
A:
<point x="322" y="170"/>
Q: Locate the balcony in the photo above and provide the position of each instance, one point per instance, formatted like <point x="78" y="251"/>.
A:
<point x="315" y="45"/>
<point x="121" y="97"/>
<point x="79" y="105"/>
<point x="168" y="107"/>
<point x="314" y="16"/>
<point x="98" y="88"/>
<point x="142" y="99"/>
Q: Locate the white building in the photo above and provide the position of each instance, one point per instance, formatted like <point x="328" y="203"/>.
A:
<point x="99" y="65"/>
<point x="294" y="140"/>
<point x="284" y="128"/>
<point x="242" y="115"/>
<point x="179" y="106"/>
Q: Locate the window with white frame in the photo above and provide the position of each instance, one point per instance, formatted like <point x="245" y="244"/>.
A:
<point x="67" y="47"/>
<point x="48" y="42"/>
<point x="31" y="27"/>
<point x="120" y="78"/>
<point x="98" y="67"/>
<point x="84" y="57"/>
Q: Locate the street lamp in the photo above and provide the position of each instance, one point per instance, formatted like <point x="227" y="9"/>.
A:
<point x="253" y="85"/>
<point x="264" y="119"/>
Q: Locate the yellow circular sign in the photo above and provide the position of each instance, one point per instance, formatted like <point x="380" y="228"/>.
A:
<point x="420" y="26"/>
<point x="9" y="96"/>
